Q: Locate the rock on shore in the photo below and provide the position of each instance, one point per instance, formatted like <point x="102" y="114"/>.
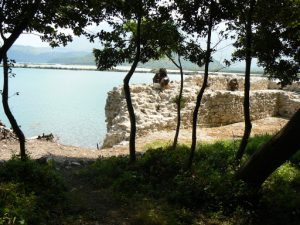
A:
<point x="6" y="133"/>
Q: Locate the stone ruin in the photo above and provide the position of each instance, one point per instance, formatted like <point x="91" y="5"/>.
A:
<point x="161" y="79"/>
<point x="222" y="104"/>
<point x="46" y="137"/>
<point x="233" y="85"/>
<point x="5" y="133"/>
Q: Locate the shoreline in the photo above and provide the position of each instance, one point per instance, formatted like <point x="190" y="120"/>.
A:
<point x="38" y="148"/>
<point x="122" y="69"/>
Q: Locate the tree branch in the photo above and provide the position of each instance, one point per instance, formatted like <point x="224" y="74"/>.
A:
<point x="25" y="20"/>
<point x="173" y="61"/>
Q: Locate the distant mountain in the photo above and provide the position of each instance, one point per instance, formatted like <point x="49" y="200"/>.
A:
<point x="153" y="64"/>
<point x="83" y="59"/>
<point x="28" y="54"/>
<point x="240" y="67"/>
<point x="186" y="65"/>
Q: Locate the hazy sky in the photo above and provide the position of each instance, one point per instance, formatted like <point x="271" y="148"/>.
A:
<point x="79" y="43"/>
<point x="82" y="44"/>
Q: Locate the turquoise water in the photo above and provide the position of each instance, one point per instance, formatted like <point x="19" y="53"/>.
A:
<point x="70" y="104"/>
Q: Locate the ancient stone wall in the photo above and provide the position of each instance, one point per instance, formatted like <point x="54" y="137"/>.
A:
<point x="295" y="87"/>
<point x="219" y="82"/>
<point x="288" y="104"/>
<point x="156" y="109"/>
<point x="226" y="107"/>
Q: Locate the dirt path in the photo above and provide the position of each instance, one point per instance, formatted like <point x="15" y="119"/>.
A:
<point x="38" y="149"/>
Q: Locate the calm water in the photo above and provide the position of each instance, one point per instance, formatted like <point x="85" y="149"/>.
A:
<point x="70" y="104"/>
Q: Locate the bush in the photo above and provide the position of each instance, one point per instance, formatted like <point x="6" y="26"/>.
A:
<point x="280" y="200"/>
<point x="16" y="207"/>
<point x="210" y="187"/>
<point x="256" y="142"/>
<point x="34" y="188"/>
<point x="105" y="171"/>
<point x="159" y="166"/>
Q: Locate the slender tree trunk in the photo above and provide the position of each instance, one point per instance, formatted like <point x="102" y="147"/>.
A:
<point x="127" y="93"/>
<point x="246" y="105"/>
<point x="200" y="94"/>
<point x="178" y="104"/>
<point x="7" y="111"/>
<point x="272" y="154"/>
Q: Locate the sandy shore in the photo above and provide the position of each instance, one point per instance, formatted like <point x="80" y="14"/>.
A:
<point x="41" y="148"/>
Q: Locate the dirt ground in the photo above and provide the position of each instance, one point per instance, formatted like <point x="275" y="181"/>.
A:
<point x="59" y="152"/>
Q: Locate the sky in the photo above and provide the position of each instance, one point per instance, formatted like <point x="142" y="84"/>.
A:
<point x="78" y="44"/>
<point x="224" y="49"/>
<point x="83" y="44"/>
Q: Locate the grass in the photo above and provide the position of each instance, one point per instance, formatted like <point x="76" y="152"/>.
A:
<point x="156" y="190"/>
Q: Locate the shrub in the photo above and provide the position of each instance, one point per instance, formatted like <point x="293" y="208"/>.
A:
<point x="210" y="187"/>
<point x="37" y="187"/>
<point x="256" y="142"/>
<point x="105" y="171"/>
<point x="183" y="101"/>
<point x="280" y="200"/>
<point x="16" y="207"/>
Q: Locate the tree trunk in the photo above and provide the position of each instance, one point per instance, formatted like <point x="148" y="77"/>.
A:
<point x="132" y="155"/>
<point x="7" y="111"/>
<point x="178" y="104"/>
<point x="246" y="105"/>
<point x="272" y="154"/>
<point x="200" y="94"/>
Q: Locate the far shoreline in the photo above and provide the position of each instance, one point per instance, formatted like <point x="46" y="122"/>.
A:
<point x="122" y="69"/>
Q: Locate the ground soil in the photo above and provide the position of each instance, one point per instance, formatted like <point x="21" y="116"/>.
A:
<point x="59" y="152"/>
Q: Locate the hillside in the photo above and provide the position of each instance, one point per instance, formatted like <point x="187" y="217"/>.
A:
<point x="28" y="54"/>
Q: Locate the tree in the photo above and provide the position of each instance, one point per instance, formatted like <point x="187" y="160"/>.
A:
<point x="273" y="38"/>
<point x="14" y="22"/>
<point x="277" y="39"/>
<point x="244" y="23"/>
<point x="203" y="87"/>
<point x="178" y="100"/>
<point x="276" y="45"/>
<point x="272" y="154"/>
<point x="17" y="130"/>
<point x="198" y="19"/>
<point x="139" y="34"/>
<point x="175" y="47"/>
<point x="42" y="17"/>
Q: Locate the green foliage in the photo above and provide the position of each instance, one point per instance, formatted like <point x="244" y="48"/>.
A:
<point x="256" y="142"/>
<point x="153" y="212"/>
<point x="280" y="199"/>
<point x="275" y="38"/>
<point x="182" y="101"/>
<point x="30" y="192"/>
<point x="15" y="205"/>
<point x="210" y="185"/>
<point x="157" y="144"/>
<point x="296" y="159"/>
<point x="163" y="192"/>
<point x="105" y="171"/>
<point x="157" y="34"/>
